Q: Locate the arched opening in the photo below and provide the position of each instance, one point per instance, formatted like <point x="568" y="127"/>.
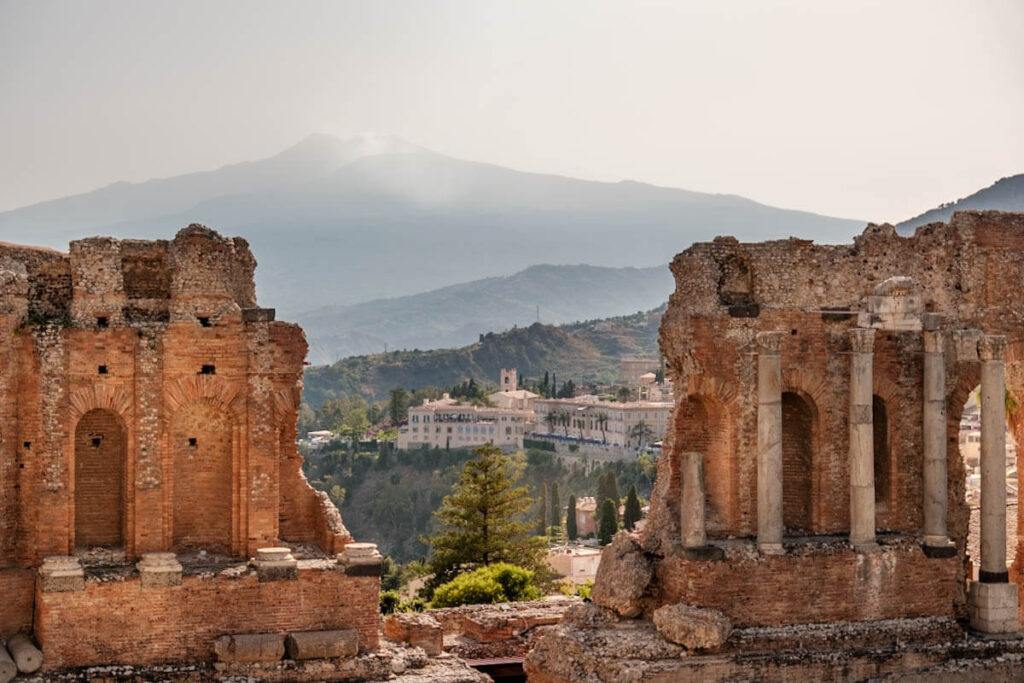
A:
<point x="202" y="446"/>
<point x="797" y="462"/>
<point x="883" y="454"/>
<point x="701" y="427"/>
<point x="970" y="450"/>
<point x="100" y="449"/>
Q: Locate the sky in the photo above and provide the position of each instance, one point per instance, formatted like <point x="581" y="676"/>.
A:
<point x="875" y="110"/>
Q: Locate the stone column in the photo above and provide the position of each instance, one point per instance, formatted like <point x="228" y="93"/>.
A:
<point x="692" y="523"/>
<point x="862" y="440"/>
<point x="769" y="443"/>
<point x="993" y="604"/>
<point x="936" y="536"/>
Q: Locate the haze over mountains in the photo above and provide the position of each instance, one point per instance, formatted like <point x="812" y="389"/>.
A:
<point x="456" y="315"/>
<point x="338" y="222"/>
<point x="1006" y="194"/>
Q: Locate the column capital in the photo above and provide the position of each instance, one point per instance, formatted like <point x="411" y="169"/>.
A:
<point x="934" y="341"/>
<point x="769" y="342"/>
<point x="992" y="347"/>
<point x="862" y="339"/>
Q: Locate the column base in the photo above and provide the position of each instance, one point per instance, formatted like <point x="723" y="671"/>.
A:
<point x="938" y="547"/>
<point x="992" y="608"/>
<point x="864" y="546"/>
<point x="771" y="549"/>
<point x="704" y="553"/>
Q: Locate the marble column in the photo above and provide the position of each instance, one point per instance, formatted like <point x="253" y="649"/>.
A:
<point x="993" y="600"/>
<point x="769" y="443"/>
<point x="936" y="536"/>
<point x="692" y="517"/>
<point x="862" y="439"/>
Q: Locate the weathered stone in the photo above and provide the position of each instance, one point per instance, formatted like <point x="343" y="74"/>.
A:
<point x="25" y="653"/>
<point x="60" y="574"/>
<point x="158" y="570"/>
<point x="695" y="628"/>
<point x="360" y="559"/>
<point x="250" y="647"/>
<point x="322" y="644"/>
<point x="276" y="564"/>
<point x="416" y="629"/>
<point x="8" y="669"/>
<point x="623" y="576"/>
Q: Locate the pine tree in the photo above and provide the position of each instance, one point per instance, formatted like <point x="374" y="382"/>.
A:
<point x="542" y="516"/>
<point x="481" y="520"/>
<point x="570" y="520"/>
<point x="607" y="489"/>
<point x="555" y="506"/>
<point x="608" y="522"/>
<point x="632" y="513"/>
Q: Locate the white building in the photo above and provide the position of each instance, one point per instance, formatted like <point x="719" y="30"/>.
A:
<point x="578" y="563"/>
<point x="447" y="423"/>
<point x="588" y="419"/>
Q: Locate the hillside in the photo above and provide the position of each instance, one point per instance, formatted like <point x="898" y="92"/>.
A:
<point x="454" y="316"/>
<point x="1006" y="194"/>
<point x="584" y="352"/>
<point x="336" y="222"/>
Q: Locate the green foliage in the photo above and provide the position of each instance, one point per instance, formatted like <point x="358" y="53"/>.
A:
<point x="499" y="582"/>
<point x="542" y="515"/>
<point x="570" y="520"/>
<point x="608" y="525"/>
<point x="568" y="390"/>
<point x="389" y="601"/>
<point x="533" y="444"/>
<point x="482" y="519"/>
<point x="632" y="514"/>
<point x="555" y="506"/>
<point x="583" y="590"/>
<point x="398" y="404"/>
<point x="607" y="489"/>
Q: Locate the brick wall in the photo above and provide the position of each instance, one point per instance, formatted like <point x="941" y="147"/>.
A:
<point x="819" y="585"/>
<point x="100" y="451"/>
<point x="123" y="622"/>
<point x="17" y="586"/>
<point x="204" y="453"/>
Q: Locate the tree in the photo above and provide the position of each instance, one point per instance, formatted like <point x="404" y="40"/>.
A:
<point x="632" y="513"/>
<point x="481" y="520"/>
<point x="542" y="517"/>
<point x="570" y="520"/>
<point x="487" y="585"/>
<point x="568" y="390"/>
<point x="551" y="418"/>
<point x="602" y="423"/>
<point x="607" y="489"/>
<point x="609" y="525"/>
<point x="642" y="432"/>
<point x="624" y="394"/>
<point x="398" y="404"/>
<point x="555" y="506"/>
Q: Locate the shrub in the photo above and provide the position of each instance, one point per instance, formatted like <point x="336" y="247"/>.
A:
<point x="389" y="601"/>
<point x="583" y="590"/>
<point x="487" y="585"/>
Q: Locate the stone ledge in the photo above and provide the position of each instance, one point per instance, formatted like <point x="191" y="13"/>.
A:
<point x="61" y="574"/>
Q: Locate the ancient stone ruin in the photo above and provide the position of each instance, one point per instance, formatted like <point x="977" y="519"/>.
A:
<point x="809" y="518"/>
<point x="152" y="503"/>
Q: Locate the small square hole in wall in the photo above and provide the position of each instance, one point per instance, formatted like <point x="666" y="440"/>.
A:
<point x="191" y="442"/>
<point x="203" y="320"/>
<point x="28" y="444"/>
<point x="208" y="370"/>
<point x="102" y="370"/>
<point x="102" y="322"/>
<point x="96" y="441"/>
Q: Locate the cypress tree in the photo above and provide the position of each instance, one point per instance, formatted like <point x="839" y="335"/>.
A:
<point x="542" y="517"/>
<point x="632" y="513"/>
<point x="570" y="520"/>
<point x="556" y="507"/>
<point x="609" y="525"/>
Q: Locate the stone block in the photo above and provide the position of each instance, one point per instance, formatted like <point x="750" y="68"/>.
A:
<point x="695" y="628"/>
<point x="250" y="647"/>
<point x="61" y="574"/>
<point x="992" y="607"/>
<point x="25" y="654"/>
<point x="276" y="564"/>
<point x="623" y="576"/>
<point x="7" y="668"/>
<point x="360" y="559"/>
<point x="418" y="630"/>
<point x="159" y="570"/>
<point x="322" y="644"/>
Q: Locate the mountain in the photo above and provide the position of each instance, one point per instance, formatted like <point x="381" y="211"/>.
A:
<point x="456" y="315"/>
<point x="337" y="222"/>
<point x="583" y="352"/>
<point x="1006" y="194"/>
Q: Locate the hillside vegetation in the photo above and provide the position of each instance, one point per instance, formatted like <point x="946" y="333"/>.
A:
<point x="584" y="352"/>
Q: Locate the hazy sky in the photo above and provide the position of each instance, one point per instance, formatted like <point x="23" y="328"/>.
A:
<point x="862" y="109"/>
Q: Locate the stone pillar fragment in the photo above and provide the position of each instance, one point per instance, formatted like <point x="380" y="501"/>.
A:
<point x="61" y="574"/>
<point x="769" y="443"/>
<point x="993" y="600"/>
<point x="862" y="440"/>
<point x="276" y="564"/>
<point x="159" y="570"/>
<point x="936" y="536"/>
<point x="360" y="559"/>
<point x="692" y="522"/>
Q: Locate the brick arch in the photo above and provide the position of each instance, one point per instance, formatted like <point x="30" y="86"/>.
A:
<point x="807" y="495"/>
<point x="117" y="405"/>
<point x="886" y="396"/>
<point x="211" y="389"/>
<point x="704" y="421"/>
<point x="968" y="377"/>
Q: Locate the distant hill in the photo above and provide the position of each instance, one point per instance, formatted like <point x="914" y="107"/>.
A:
<point x="1006" y="194"/>
<point x="583" y="352"/>
<point x="457" y="315"/>
<point x="336" y="222"/>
